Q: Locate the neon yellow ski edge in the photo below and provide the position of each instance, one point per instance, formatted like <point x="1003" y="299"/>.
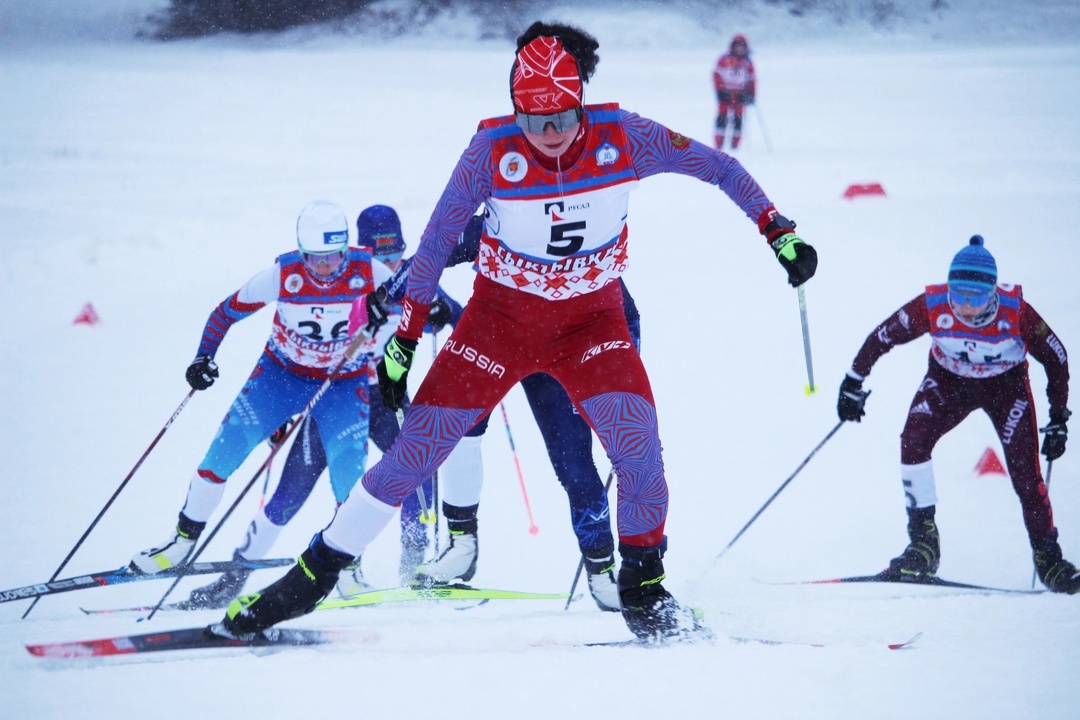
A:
<point x="404" y="594"/>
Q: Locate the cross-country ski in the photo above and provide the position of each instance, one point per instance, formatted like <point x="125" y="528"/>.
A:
<point x="194" y="638"/>
<point x="373" y="597"/>
<point x="127" y="575"/>
<point x="933" y="581"/>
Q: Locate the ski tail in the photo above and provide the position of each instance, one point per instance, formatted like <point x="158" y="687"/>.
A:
<point x="192" y="638"/>
<point x="885" y="576"/>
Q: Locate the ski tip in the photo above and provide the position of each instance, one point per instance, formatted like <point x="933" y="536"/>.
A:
<point x="905" y="645"/>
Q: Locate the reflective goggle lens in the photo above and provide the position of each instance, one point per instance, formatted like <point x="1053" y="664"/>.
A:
<point x="562" y="121"/>
<point x="324" y="262"/>
<point x="960" y="299"/>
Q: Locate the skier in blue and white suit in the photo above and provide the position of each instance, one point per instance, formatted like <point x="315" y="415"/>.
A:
<point x="378" y="228"/>
<point x="313" y="288"/>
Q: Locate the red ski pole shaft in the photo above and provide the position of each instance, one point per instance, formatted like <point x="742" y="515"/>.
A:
<point x="533" y="529"/>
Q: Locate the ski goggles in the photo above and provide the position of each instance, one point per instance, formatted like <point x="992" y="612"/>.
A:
<point x="390" y="257"/>
<point x="323" y="263"/>
<point x="970" y="298"/>
<point x="535" y="124"/>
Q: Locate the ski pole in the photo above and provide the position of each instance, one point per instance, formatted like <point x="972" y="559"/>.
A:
<point x="521" y="478"/>
<point x="761" y="124"/>
<point x="581" y="562"/>
<point x="353" y="346"/>
<point x="782" y="486"/>
<point x="810" y="389"/>
<point x="427" y="515"/>
<point x="116" y="494"/>
<point x="1049" y="467"/>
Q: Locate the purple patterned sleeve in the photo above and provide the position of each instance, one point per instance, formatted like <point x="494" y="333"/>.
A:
<point x="656" y="149"/>
<point x="469" y="186"/>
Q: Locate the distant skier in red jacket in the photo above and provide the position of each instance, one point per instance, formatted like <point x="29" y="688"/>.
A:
<point x="735" y="86"/>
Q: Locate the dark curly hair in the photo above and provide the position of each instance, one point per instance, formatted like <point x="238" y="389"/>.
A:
<point x="577" y="42"/>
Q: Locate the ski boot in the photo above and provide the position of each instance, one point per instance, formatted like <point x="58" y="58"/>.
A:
<point x="221" y="592"/>
<point x="296" y="593"/>
<point x="1056" y="573"/>
<point x="174" y="551"/>
<point x="458" y="560"/>
<point x="649" y="610"/>
<point x="351" y="580"/>
<point x="600" y="571"/>
<point x="922" y="556"/>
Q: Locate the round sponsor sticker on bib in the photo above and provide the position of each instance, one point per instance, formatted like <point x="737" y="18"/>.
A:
<point x="513" y="167"/>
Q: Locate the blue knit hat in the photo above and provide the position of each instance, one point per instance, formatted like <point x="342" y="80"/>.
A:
<point x="379" y="228"/>
<point x="973" y="270"/>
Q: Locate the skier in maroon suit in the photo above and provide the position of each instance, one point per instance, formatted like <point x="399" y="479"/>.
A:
<point x="981" y="334"/>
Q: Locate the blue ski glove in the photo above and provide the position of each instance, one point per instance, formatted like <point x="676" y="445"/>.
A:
<point x="202" y="372"/>
<point x="393" y="371"/>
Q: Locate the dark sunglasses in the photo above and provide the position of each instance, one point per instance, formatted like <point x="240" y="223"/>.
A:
<point x="562" y="121"/>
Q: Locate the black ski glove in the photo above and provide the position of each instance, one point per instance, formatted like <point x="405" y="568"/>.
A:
<point x="1057" y="433"/>
<point x="794" y="255"/>
<point x="439" y="315"/>
<point x="393" y="371"/>
<point x="202" y="372"/>
<point x="378" y="309"/>
<point x="852" y="398"/>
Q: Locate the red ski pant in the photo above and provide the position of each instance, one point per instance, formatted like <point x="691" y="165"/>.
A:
<point x="944" y="399"/>
<point x="505" y="335"/>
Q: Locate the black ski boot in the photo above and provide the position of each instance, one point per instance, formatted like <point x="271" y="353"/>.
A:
<point x="296" y="593"/>
<point x="221" y="592"/>
<point x="648" y="609"/>
<point x="1056" y="573"/>
<point x="922" y="556"/>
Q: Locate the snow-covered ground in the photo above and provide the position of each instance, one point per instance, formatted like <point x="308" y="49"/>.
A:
<point x="152" y="180"/>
